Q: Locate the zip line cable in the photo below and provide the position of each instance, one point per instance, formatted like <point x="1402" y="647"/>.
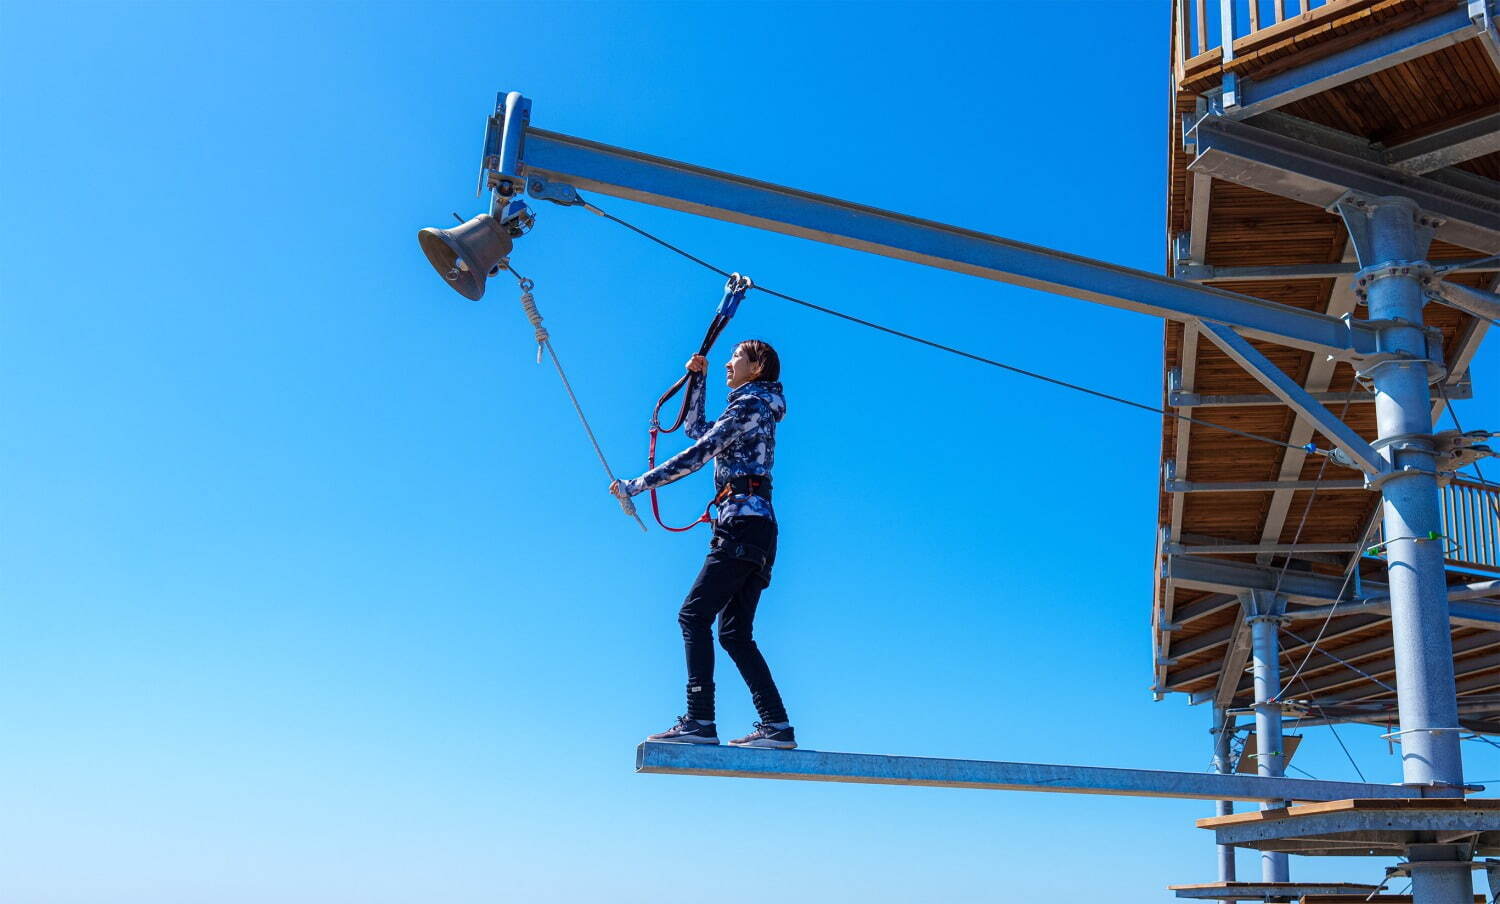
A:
<point x="543" y="340"/>
<point x="945" y="348"/>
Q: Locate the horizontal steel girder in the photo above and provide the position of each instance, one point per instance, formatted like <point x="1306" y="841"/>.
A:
<point x="1225" y="576"/>
<point x="1363" y="826"/>
<point x="1357" y="62"/>
<point x="1259" y="486"/>
<point x="1443" y="149"/>
<point x="1463" y="389"/>
<point x="879" y="769"/>
<point x="549" y="157"/>
<point x="1280" y="165"/>
<point x="1282" y="273"/>
<point x="1256" y="891"/>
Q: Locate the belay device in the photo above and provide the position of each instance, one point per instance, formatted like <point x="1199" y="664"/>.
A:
<point x="734" y="292"/>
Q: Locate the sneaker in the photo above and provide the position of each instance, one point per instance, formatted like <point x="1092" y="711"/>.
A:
<point x="687" y="731"/>
<point x="765" y="735"/>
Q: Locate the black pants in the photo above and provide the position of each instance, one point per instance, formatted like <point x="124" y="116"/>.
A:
<point x="737" y="569"/>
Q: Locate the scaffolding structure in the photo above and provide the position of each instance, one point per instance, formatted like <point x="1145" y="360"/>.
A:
<point x="1333" y="231"/>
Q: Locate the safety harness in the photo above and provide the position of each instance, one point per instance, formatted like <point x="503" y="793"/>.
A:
<point x="734" y="292"/>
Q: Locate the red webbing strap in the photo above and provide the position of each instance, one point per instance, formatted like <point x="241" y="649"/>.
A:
<point x="655" y="507"/>
<point x="734" y="292"/>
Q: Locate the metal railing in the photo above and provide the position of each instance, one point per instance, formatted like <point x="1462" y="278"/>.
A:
<point x="1471" y="523"/>
<point x="1202" y="25"/>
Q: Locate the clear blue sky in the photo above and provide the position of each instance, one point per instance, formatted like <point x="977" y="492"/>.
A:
<point x="311" y="589"/>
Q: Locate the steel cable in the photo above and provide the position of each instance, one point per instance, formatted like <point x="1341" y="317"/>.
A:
<point x="940" y="346"/>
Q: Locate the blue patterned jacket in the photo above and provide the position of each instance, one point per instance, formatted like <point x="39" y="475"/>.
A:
<point x="741" y="442"/>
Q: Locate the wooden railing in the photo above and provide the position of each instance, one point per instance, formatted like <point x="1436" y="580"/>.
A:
<point x="1202" y="25"/>
<point x="1471" y="523"/>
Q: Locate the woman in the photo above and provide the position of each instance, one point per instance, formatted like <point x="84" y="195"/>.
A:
<point x="742" y="445"/>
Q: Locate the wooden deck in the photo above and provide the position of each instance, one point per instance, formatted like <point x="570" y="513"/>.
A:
<point x="1195" y="632"/>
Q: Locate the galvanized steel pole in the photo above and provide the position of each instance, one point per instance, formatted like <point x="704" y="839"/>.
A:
<point x="1222" y="730"/>
<point x="1394" y="238"/>
<point x="1270" y="757"/>
<point x="1391" y="237"/>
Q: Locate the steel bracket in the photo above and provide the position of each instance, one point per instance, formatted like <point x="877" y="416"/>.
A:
<point x="501" y="162"/>
<point x="556" y="192"/>
<point x="1422" y="271"/>
<point x="1376" y="481"/>
<point x="1365" y="366"/>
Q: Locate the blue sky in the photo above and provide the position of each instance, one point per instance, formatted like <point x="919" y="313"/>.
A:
<point x="312" y="590"/>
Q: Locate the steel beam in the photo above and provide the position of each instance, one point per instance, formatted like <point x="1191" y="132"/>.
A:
<point x="1263" y="486"/>
<point x="1476" y="816"/>
<point x="1246" y="549"/>
<point x="1274" y="163"/>
<point x="1466" y="141"/>
<point x="1294" y="396"/>
<point x="880" y="769"/>
<point x="1267" y="891"/>
<point x="1357" y="62"/>
<point x="549" y="157"/>
<point x="1226" y="576"/>
<point x="1474" y="301"/>
<point x="1284" y="273"/>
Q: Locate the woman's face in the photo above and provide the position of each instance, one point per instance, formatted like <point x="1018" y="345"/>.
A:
<point x="739" y="369"/>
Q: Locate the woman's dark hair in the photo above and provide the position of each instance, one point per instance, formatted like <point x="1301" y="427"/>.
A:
<point x="761" y="353"/>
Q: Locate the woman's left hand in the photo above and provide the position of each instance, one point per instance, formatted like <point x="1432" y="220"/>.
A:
<point x="614" y="489"/>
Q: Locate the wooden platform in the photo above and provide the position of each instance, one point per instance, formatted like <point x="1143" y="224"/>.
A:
<point x="1197" y="632"/>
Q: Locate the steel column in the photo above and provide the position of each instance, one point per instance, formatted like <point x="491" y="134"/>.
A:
<point x="1388" y="230"/>
<point x="1223" y="728"/>
<point x="1270" y="759"/>
<point x="1440" y="874"/>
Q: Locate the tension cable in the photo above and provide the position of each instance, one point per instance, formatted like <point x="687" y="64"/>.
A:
<point x="1308" y="448"/>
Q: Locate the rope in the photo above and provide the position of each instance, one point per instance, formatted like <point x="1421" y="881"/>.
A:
<point x="948" y="348"/>
<point x="528" y="304"/>
<point x="1329" y="722"/>
<point x="1307" y="509"/>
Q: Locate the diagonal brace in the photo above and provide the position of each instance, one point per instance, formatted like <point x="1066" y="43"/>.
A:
<point x="1299" y="399"/>
<point x="1478" y="302"/>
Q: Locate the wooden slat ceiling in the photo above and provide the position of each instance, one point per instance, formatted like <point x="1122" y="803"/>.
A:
<point x="1250" y="228"/>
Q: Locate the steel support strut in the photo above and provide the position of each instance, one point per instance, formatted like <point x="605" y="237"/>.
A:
<point x="1270" y="759"/>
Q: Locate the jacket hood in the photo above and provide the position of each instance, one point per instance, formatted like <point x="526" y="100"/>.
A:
<point x="766" y="391"/>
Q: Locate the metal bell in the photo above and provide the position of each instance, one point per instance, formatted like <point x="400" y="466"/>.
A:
<point x="467" y="253"/>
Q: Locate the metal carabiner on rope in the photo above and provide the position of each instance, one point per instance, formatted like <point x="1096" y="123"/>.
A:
<point x="734" y="293"/>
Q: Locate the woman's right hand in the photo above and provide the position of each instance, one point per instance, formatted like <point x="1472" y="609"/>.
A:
<point x="697" y="364"/>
